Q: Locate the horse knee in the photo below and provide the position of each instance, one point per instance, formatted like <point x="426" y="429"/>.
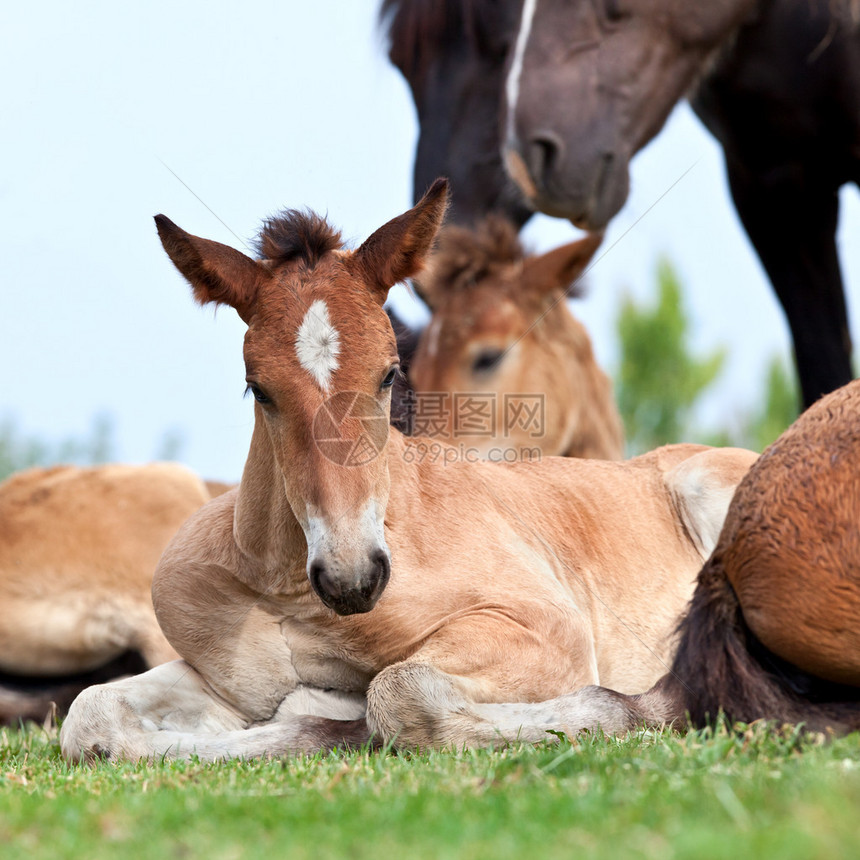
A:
<point x="410" y="705"/>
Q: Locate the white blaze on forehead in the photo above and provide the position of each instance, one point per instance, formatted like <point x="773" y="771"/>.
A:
<point x="318" y="344"/>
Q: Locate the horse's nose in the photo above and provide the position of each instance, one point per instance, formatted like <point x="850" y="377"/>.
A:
<point x="350" y="592"/>
<point x="326" y="586"/>
<point x="543" y="153"/>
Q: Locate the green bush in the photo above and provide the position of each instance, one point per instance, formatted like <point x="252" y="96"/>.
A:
<point x="660" y="380"/>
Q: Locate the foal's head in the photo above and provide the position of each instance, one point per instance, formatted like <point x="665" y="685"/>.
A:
<point x="502" y="339"/>
<point x="320" y="359"/>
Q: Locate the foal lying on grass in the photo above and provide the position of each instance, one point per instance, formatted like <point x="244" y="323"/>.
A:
<point x="347" y="587"/>
<point x="78" y="547"/>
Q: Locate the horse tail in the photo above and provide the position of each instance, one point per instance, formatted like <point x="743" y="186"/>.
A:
<point x="720" y="665"/>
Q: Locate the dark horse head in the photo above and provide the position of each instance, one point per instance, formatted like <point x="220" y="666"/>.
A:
<point x="565" y="91"/>
<point x="618" y="67"/>
<point x="452" y="54"/>
<point x="572" y="89"/>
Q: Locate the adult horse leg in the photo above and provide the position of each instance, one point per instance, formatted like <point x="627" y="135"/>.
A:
<point x="791" y="221"/>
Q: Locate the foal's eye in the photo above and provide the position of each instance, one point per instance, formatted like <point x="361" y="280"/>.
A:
<point x="259" y="395"/>
<point x="487" y="360"/>
<point x="389" y="378"/>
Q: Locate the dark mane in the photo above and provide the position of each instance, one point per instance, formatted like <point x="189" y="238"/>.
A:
<point x="418" y="30"/>
<point x="464" y="257"/>
<point x="296" y="234"/>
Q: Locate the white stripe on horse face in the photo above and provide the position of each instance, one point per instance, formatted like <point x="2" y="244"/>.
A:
<point x="318" y="344"/>
<point x="512" y="84"/>
<point x="433" y="337"/>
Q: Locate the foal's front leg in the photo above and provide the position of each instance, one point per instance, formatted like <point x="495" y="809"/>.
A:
<point x="485" y="680"/>
<point x="418" y="705"/>
<point x="171" y="712"/>
<point x="145" y="716"/>
<point x="235" y="693"/>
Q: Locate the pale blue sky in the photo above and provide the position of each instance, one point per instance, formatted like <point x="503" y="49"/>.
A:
<point x="258" y="106"/>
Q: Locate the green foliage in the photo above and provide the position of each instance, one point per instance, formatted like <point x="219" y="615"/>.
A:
<point x="19" y="451"/>
<point x="751" y="793"/>
<point x="777" y="410"/>
<point x="780" y="407"/>
<point x="659" y="381"/>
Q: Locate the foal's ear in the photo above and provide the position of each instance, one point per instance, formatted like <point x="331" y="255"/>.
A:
<point x="558" y="269"/>
<point x="216" y="272"/>
<point x="398" y="249"/>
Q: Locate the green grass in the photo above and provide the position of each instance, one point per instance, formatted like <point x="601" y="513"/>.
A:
<point x="756" y="793"/>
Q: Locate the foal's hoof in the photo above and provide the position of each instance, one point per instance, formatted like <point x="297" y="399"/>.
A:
<point x="98" y="727"/>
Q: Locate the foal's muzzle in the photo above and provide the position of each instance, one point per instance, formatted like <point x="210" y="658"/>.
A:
<point x="354" y="592"/>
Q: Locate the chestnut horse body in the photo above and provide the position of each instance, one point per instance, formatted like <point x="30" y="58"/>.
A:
<point x="574" y="89"/>
<point x="78" y="548"/>
<point x="772" y="630"/>
<point x="345" y="588"/>
<point x="511" y="368"/>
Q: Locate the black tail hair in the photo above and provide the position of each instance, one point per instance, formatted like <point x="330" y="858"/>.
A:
<point x="721" y="665"/>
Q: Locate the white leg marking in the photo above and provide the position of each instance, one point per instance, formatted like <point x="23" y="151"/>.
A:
<point x="171" y="711"/>
<point x="318" y="344"/>
<point x="512" y="85"/>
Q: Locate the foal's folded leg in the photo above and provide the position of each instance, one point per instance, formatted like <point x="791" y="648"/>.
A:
<point x="418" y="705"/>
<point x="171" y="712"/>
<point x="483" y="680"/>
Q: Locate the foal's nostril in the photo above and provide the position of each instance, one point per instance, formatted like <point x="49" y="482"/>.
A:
<point x="363" y="589"/>
<point x="383" y="570"/>
<point x="323" y="584"/>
